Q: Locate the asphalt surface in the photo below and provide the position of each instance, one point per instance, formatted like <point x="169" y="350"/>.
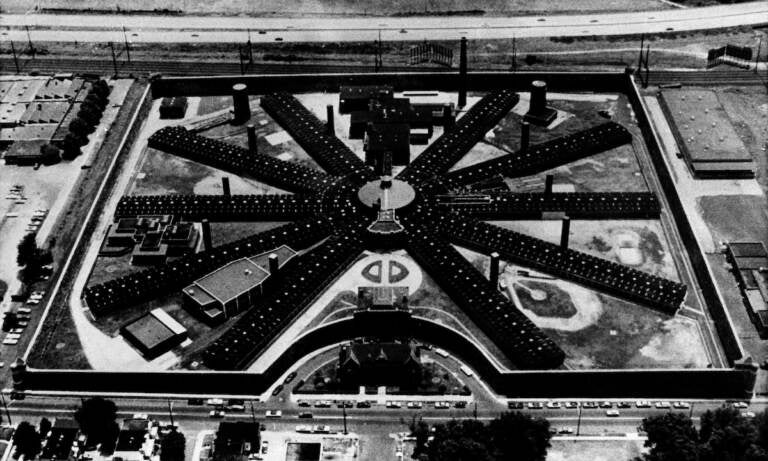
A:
<point x="202" y="29"/>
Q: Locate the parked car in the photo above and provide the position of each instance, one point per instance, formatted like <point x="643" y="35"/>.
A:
<point x="740" y="405"/>
<point x="323" y="404"/>
<point x="214" y="402"/>
<point x="264" y="447"/>
<point x="414" y="405"/>
<point x="304" y="403"/>
<point x="321" y="429"/>
<point x="273" y="414"/>
<point x="460" y="404"/>
<point x="606" y="404"/>
<point x="305" y="415"/>
<point x="565" y="430"/>
<point x="571" y="405"/>
<point x="363" y="404"/>
<point x="277" y="390"/>
<point x="624" y="405"/>
<point x="217" y="414"/>
<point x="535" y="405"/>
<point x="589" y="405"/>
<point x="345" y="404"/>
<point x="304" y="428"/>
<point x="290" y="377"/>
<point x="553" y="405"/>
<point x="393" y="404"/>
<point x="442" y="405"/>
<point x="512" y="405"/>
<point x="612" y="413"/>
<point x="681" y="405"/>
<point x="662" y="405"/>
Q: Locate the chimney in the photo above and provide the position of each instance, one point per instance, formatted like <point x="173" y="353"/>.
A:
<point x="494" y="276"/>
<point x="566" y="232"/>
<point x="241" y="104"/>
<point x="207" y="235"/>
<point x="274" y="264"/>
<point x="463" y="73"/>
<point x="225" y="185"/>
<point x="525" y="135"/>
<point x="329" y="123"/>
<point x="252" y="146"/>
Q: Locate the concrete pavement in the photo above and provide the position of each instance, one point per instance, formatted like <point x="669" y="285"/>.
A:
<point x="202" y="29"/>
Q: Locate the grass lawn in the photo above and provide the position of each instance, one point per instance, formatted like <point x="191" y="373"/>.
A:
<point x="594" y="450"/>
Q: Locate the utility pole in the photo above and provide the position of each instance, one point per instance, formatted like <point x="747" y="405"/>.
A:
<point x="578" y="423"/>
<point x="647" y="71"/>
<point x="15" y="58"/>
<point x="29" y="40"/>
<point x="514" y="55"/>
<point x="757" y="56"/>
<point x="114" y="58"/>
<point x="170" y="411"/>
<point x="7" y="413"/>
<point x="474" y="410"/>
<point x="640" y="58"/>
<point x="250" y="49"/>
<point x="344" y="414"/>
<point x="127" y="47"/>
<point x="253" y="413"/>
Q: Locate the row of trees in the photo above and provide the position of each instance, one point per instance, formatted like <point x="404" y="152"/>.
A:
<point x="97" y="420"/>
<point x="724" y="435"/>
<point x="512" y="436"/>
<point x="88" y="117"/>
<point x="31" y="258"/>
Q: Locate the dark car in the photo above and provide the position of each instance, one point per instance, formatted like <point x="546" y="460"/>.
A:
<point x="515" y="405"/>
<point x="305" y="415"/>
<point x="277" y="390"/>
<point x="460" y="404"/>
<point x="290" y="377"/>
<point x="364" y="404"/>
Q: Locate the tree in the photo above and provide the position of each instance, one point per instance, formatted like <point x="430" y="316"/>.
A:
<point x="96" y="100"/>
<point x="671" y="437"/>
<point x="70" y="147"/>
<point x="460" y="440"/>
<point x="27" y="441"/>
<point x="27" y="250"/>
<point x="90" y="113"/>
<point x="726" y="435"/>
<point x="518" y="436"/>
<point x="420" y="430"/>
<point x="44" y="427"/>
<point x="96" y="418"/>
<point x="101" y="88"/>
<point x="172" y="446"/>
<point x="49" y="154"/>
<point x="80" y="127"/>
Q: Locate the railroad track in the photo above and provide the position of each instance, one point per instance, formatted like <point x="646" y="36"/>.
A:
<point x="138" y="67"/>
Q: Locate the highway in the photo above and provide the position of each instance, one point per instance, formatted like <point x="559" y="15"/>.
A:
<point x="205" y="29"/>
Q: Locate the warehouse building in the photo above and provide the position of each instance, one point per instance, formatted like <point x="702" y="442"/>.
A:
<point x="154" y="333"/>
<point x="234" y="287"/>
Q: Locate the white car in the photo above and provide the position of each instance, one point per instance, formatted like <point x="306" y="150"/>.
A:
<point x="214" y="402"/>
<point x="441" y="352"/>
<point x="304" y="428"/>
<point x="612" y="413"/>
<point x="273" y="414"/>
<point x="553" y="405"/>
<point x="740" y="405"/>
<point x="681" y="405"/>
<point x="442" y="405"/>
<point x="662" y="405"/>
<point x="643" y="404"/>
<point x="747" y="414"/>
<point x="414" y="405"/>
<point x="217" y="414"/>
<point x="393" y="404"/>
<point x="319" y="429"/>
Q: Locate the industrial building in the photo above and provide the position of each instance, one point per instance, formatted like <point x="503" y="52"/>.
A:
<point x="234" y="287"/>
<point x="60" y="444"/>
<point x="706" y="138"/>
<point x="750" y="266"/>
<point x="154" y="333"/>
<point x="173" y="108"/>
<point x="236" y="441"/>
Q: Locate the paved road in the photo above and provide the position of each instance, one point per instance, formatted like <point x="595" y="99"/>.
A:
<point x="200" y="29"/>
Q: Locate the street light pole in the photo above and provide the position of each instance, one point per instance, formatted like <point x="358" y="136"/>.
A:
<point x="7" y="413"/>
<point x="344" y="414"/>
<point x="170" y="411"/>
<point x="578" y="423"/>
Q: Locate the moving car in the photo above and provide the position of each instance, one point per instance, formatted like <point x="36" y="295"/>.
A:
<point x="305" y="415"/>
<point x="612" y="413"/>
<point x="290" y="377"/>
<point x="217" y="414"/>
<point x="273" y="414"/>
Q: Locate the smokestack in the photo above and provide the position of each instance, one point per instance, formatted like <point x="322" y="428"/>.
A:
<point x="494" y="276"/>
<point x="207" y="245"/>
<point x="274" y="264"/>
<point x="463" y="73"/>
<point x="538" y="97"/>
<point x="525" y="135"/>
<point x="329" y="117"/>
<point x="240" y="101"/>
<point x="225" y="185"/>
<point x="252" y="146"/>
<point x="548" y="180"/>
<point x="566" y="232"/>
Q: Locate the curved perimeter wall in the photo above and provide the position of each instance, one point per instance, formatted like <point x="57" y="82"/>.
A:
<point x="734" y="383"/>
